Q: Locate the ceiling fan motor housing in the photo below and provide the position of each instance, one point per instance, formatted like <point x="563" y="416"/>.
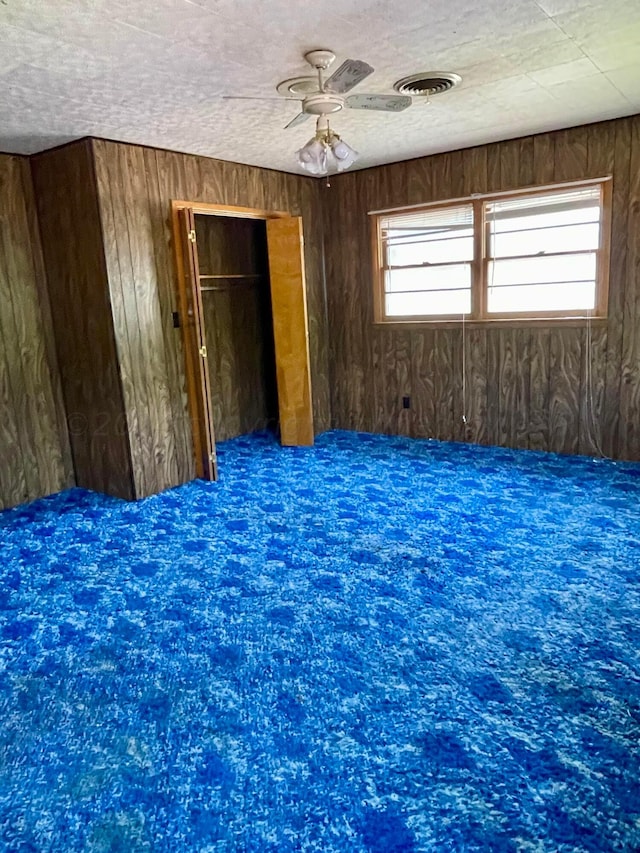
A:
<point x="322" y="104"/>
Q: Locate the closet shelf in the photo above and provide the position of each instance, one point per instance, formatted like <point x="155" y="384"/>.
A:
<point x="247" y="275"/>
<point x="229" y="286"/>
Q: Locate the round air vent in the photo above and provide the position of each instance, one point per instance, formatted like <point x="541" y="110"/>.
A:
<point x="427" y="83"/>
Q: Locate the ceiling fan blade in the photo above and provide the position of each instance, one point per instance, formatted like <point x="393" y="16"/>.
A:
<point x="257" y="98"/>
<point x="388" y="103"/>
<point x="350" y="73"/>
<point x="297" y="120"/>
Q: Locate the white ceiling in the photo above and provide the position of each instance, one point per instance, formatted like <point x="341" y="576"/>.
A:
<point x="153" y="71"/>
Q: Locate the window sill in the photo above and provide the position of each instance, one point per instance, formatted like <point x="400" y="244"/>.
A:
<point x="498" y="322"/>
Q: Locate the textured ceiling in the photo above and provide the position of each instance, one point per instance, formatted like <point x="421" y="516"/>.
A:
<point x="153" y="71"/>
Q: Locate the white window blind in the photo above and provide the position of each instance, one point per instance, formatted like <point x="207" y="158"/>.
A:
<point x="542" y="252"/>
<point x="427" y="262"/>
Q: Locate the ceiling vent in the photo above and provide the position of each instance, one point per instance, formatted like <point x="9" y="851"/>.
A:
<point x="427" y="83"/>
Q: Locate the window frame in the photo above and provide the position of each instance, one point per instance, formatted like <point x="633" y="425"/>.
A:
<point x="480" y="263"/>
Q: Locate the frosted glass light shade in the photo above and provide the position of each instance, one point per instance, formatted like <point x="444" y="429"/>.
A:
<point x="344" y="154"/>
<point x="313" y="157"/>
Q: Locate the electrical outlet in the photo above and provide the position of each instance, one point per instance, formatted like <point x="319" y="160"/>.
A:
<point x="406" y="402"/>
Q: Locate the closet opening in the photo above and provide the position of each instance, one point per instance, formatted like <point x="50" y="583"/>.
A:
<point x="243" y="316"/>
<point x="236" y="305"/>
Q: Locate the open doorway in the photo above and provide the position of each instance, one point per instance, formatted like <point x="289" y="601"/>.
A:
<point x="243" y="314"/>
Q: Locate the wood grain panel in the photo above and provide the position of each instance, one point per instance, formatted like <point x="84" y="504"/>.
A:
<point x="228" y="244"/>
<point x="445" y="384"/>
<point x="594" y="347"/>
<point x="133" y="279"/>
<point x="291" y="341"/>
<point x="163" y="172"/>
<point x="494" y="180"/>
<point x="44" y="305"/>
<point x="571" y="147"/>
<point x="522" y="380"/>
<point x="309" y="202"/>
<point x="13" y="484"/>
<point x="392" y="381"/>
<point x="526" y="386"/>
<point x="221" y="352"/>
<point x="611" y="443"/>
<point x="34" y="449"/>
<point x="476" y="386"/>
<point x="630" y="366"/>
<point x="544" y="157"/>
<point x="539" y="352"/>
<point x="526" y="160"/>
<point x="353" y="377"/>
<point x="510" y="164"/>
<point x="419" y="180"/>
<point x="367" y="195"/>
<point x="507" y="387"/>
<point x="423" y="389"/>
<point x="565" y="388"/>
<point x="474" y="167"/>
<point x="493" y="386"/>
<point x="403" y="387"/>
<point x="72" y="240"/>
<point x="126" y="268"/>
<point x="384" y="397"/>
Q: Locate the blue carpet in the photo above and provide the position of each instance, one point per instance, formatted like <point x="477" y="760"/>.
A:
<point x="377" y="645"/>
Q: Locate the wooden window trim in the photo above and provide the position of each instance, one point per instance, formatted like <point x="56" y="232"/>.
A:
<point x="478" y="317"/>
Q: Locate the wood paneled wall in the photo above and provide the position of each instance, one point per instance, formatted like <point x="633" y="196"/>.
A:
<point x="71" y="233"/>
<point x="136" y="186"/>
<point x="558" y="388"/>
<point x="34" y="447"/>
<point x="238" y="324"/>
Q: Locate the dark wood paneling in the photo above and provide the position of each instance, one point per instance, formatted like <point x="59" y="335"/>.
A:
<point x="475" y="392"/>
<point x="423" y="386"/>
<point x="71" y="233"/>
<point x="506" y="385"/>
<point x="617" y="286"/>
<point x="34" y="446"/>
<point x="136" y="187"/>
<point x="230" y="245"/>
<point x="163" y="172"/>
<point x="563" y="389"/>
<point x="539" y="348"/>
<point x="630" y="367"/>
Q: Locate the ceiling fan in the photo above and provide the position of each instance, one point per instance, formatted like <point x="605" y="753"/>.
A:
<point x="322" y="97"/>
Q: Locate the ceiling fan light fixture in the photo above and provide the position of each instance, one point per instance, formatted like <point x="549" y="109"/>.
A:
<point x="324" y="150"/>
<point x="313" y="157"/>
<point x="345" y="155"/>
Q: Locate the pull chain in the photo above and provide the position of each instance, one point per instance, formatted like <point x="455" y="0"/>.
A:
<point x="464" y="371"/>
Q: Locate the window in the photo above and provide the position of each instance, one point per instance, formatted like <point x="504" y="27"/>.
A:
<point x="533" y="255"/>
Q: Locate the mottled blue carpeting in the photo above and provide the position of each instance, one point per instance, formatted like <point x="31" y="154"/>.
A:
<point x="373" y="645"/>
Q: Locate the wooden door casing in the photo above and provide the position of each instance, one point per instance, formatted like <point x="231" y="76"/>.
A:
<point x="195" y="344"/>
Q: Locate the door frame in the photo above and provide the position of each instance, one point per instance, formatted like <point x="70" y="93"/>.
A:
<point x="200" y="208"/>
